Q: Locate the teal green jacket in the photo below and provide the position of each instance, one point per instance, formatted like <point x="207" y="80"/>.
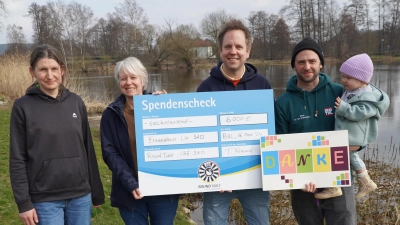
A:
<point x="299" y="111"/>
<point x="360" y="116"/>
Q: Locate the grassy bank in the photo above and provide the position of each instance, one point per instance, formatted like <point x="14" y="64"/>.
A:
<point x="104" y="215"/>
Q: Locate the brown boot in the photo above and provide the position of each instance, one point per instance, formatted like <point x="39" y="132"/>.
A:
<point x="329" y="193"/>
<point x="366" y="185"/>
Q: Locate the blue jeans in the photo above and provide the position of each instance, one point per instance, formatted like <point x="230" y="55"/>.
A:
<point x="355" y="161"/>
<point x="255" y="204"/>
<point x="65" y="212"/>
<point x="160" y="210"/>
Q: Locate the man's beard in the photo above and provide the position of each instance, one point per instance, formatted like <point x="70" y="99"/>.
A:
<point x="300" y="77"/>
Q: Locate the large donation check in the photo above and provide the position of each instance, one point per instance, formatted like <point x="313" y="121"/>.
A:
<point x="201" y="142"/>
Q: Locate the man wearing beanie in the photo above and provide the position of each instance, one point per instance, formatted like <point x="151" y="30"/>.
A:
<point x="358" y="111"/>
<point x="307" y="105"/>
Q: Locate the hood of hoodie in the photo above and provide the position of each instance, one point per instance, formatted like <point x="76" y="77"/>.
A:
<point x="250" y="72"/>
<point x="292" y="87"/>
<point x="250" y="80"/>
<point x="377" y="97"/>
<point x="35" y="90"/>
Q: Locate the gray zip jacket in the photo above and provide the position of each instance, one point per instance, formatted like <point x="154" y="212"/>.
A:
<point x="360" y="116"/>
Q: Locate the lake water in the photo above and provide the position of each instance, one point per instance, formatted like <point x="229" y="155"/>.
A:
<point x="386" y="77"/>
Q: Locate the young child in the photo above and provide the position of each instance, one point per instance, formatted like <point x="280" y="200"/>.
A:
<point x="358" y="111"/>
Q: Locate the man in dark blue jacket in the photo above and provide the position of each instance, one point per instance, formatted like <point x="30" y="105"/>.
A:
<point x="234" y="41"/>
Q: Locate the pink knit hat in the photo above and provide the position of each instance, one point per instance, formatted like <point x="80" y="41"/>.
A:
<point x="359" y="67"/>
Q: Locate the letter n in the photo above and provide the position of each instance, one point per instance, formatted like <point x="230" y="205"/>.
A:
<point x="304" y="160"/>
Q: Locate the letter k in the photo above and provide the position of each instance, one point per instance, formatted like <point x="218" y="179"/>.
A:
<point x="212" y="102"/>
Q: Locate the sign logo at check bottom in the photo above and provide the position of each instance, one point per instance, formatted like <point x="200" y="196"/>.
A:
<point x="208" y="171"/>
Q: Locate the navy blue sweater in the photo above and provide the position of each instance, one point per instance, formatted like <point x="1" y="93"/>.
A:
<point x="250" y="81"/>
<point x="117" y="154"/>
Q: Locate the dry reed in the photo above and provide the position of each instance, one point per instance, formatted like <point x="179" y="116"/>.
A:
<point x="14" y="76"/>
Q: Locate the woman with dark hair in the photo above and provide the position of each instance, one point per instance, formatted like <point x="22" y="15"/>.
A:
<point x="53" y="167"/>
<point x="118" y="144"/>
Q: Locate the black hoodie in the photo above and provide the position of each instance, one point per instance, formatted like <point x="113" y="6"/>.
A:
<point x="51" y="150"/>
<point x="250" y="81"/>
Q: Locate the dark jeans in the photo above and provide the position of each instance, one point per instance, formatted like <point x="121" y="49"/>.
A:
<point x="338" y="210"/>
<point x="160" y="210"/>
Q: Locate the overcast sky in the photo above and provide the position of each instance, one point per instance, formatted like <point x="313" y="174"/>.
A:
<point x="182" y="11"/>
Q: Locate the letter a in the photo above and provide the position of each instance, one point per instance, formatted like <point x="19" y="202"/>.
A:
<point x="286" y="160"/>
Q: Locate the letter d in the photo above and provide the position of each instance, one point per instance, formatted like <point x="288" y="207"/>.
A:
<point x="269" y="162"/>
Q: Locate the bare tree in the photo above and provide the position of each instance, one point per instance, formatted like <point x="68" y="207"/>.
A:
<point x="135" y="20"/>
<point x="391" y="26"/>
<point x="182" y="40"/>
<point x="357" y="9"/>
<point x="211" y="24"/>
<point x="345" y="36"/>
<point x="41" y="31"/>
<point x="155" y="41"/>
<point x="16" y="39"/>
<point x="381" y="15"/>
<point x="332" y="27"/>
<point x="57" y="20"/>
<point x="83" y="20"/>
<point x="112" y="36"/>
<point x="369" y="33"/>
<point x="309" y="18"/>
<point x="261" y="25"/>
<point x="294" y="12"/>
<point x="3" y="10"/>
<point x="280" y="39"/>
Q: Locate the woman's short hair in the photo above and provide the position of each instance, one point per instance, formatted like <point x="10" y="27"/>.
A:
<point x="49" y="52"/>
<point x="131" y="65"/>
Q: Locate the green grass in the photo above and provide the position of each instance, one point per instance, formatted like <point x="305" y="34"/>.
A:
<point x="8" y="208"/>
<point x="104" y="215"/>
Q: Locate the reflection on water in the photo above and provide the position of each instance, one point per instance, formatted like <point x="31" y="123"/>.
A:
<point x="181" y="81"/>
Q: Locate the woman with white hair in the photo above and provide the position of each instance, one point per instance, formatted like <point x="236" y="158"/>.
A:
<point x="118" y="143"/>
